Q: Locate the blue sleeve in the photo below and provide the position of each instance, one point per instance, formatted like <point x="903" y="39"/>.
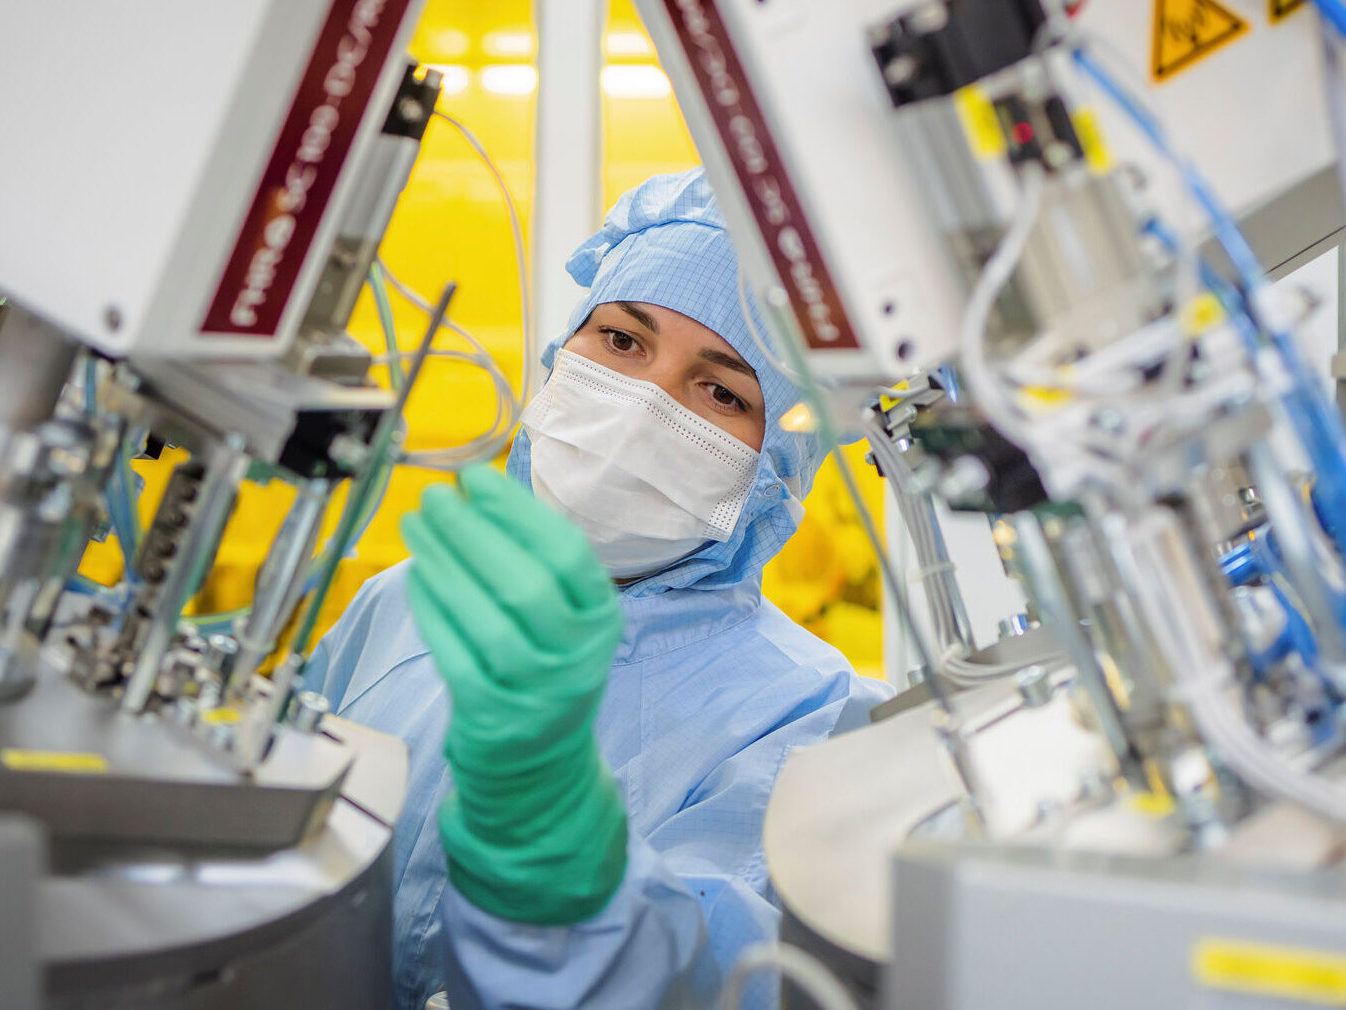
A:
<point x="372" y="637"/>
<point x="318" y="670"/>
<point x="333" y="660"/>
<point x="695" y="895"/>
<point x="695" y="892"/>
<point x="665" y="940"/>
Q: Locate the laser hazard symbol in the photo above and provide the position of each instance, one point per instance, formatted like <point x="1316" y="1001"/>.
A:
<point x="1187" y="31"/>
<point x="1279" y="9"/>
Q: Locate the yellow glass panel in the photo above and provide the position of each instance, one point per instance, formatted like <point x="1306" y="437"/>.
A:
<point x="451" y="224"/>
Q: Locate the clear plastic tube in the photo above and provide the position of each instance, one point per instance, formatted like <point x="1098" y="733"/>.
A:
<point x="520" y="257"/>
<point x="799" y="966"/>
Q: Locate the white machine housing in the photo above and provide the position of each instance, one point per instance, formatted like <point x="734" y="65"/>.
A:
<point x="784" y="96"/>
<point x="212" y="246"/>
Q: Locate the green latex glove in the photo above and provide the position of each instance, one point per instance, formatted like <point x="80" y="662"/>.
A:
<point x="523" y="622"/>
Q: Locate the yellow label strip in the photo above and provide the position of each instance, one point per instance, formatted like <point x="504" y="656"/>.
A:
<point x="1262" y="969"/>
<point x="52" y="761"/>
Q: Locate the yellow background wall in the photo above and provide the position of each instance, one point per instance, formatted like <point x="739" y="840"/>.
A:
<point x="451" y="224"/>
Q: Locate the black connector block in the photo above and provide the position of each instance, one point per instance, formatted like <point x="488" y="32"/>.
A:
<point x="923" y="55"/>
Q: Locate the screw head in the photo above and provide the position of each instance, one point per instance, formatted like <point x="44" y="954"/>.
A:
<point x="901" y="69"/>
<point x="931" y="17"/>
<point x="411" y="109"/>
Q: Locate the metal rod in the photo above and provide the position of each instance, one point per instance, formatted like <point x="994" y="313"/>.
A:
<point x="944" y="598"/>
<point x="251" y="746"/>
<point x="817" y="401"/>
<point x="17" y="677"/>
<point x="1290" y="523"/>
<point x="380" y="447"/>
<point x="1058" y="614"/>
<point x="280" y="583"/>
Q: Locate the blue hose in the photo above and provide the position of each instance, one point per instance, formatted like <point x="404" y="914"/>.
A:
<point x="1334" y="13"/>
<point x="1314" y="418"/>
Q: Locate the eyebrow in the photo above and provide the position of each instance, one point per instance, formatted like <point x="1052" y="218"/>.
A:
<point x="640" y="315"/>
<point x="728" y="361"/>
<point x="715" y="357"/>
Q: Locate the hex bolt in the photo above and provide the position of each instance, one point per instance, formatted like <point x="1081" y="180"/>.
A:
<point x="1035" y="688"/>
<point x="309" y="709"/>
<point x="221" y="651"/>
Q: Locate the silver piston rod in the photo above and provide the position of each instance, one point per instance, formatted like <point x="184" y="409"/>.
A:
<point x="280" y="583"/>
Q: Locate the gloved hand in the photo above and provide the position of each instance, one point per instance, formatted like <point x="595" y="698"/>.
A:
<point x="523" y="622"/>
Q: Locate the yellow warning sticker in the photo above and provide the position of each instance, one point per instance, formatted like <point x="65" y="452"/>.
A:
<point x="980" y="122"/>
<point x="222" y="716"/>
<point x="1044" y="396"/>
<point x="1262" y="969"/>
<point x="1278" y="10"/>
<point x="52" y="761"/>
<point x="1187" y="31"/>
<point x="1152" y="805"/>
<point x="1202" y="313"/>
<point x="1096" y="153"/>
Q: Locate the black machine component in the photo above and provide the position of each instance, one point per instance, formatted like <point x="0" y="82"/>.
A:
<point x="941" y="47"/>
<point x="1004" y="479"/>
<point x="160" y="541"/>
<point x="308" y="452"/>
<point x="1031" y="129"/>
<point x="414" y="104"/>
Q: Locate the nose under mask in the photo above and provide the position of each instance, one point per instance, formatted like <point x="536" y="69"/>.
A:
<point x="647" y="480"/>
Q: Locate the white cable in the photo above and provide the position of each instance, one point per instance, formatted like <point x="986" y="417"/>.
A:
<point x="508" y="408"/>
<point x="987" y="391"/>
<point x="985" y="385"/>
<point x="942" y="596"/>
<point x="1202" y="680"/>
<point x="934" y="574"/>
<point x="1251" y="758"/>
<point x="930" y="571"/>
<point x="757" y="338"/>
<point x="419" y="300"/>
<point x="970" y="673"/>
<point x="799" y="966"/>
<point x="898" y="676"/>
<point x="1098" y="373"/>
<point x="484" y="446"/>
<point x="520" y="256"/>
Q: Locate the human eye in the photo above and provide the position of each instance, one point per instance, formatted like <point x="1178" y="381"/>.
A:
<point x="618" y="340"/>
<point x="726" y="399"/>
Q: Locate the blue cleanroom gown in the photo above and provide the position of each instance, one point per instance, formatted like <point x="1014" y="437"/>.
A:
<point x="711" y="688"/>
<point x="708" y="694"/>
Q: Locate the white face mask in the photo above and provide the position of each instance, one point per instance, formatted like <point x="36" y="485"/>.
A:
<point x="647" y="480"/>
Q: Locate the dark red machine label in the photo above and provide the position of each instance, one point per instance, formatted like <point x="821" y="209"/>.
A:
<point x="302" y="171"/>
<point x="761" y="173"/>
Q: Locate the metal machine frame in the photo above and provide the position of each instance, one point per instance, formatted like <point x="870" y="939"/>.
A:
<point x="981" y="198"/>
<point x="183" y="247"/>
